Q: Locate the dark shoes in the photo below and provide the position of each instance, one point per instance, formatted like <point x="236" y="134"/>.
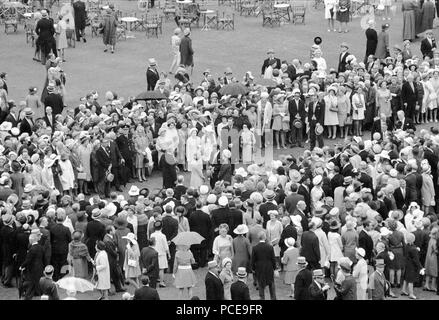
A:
<point x="83" y="39"/>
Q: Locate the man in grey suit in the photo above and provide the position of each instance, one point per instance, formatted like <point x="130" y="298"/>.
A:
<point x="292" y="200"/>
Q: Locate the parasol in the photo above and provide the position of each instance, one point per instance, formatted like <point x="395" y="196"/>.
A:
<point x="151" y="95"/>
<point x="187" y="238"/>
<point x="267" y="83"/>
<point x="364" y="23"/>
<point x="77" y="284"/>
<point x="234" y="89"/>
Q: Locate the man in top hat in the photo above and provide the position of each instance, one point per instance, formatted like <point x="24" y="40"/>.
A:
<point x="104" y="160"/>
<point x="60" y="237"/>
<point x="152" y="74"/>
<point x="33" y="266"/>
<point x="266" y="64"/>
<point x="47" y="286"/>
<point x="263" y="263"/>
<point x="214" y="285"/>
<point x="303" y="280"/>
<point x="186" y="51"/>
<point x="45" y="31"/>
<point x="126" y="150"/>
<point x="27" y="124"/>
<point x="310" y="246"/>
<point x="378" y="284"/>
<point x="342" y="63"/>
<point x="239" y="289"/>
<point x="54" y="100"/>
<point x="428" y="44"/>
<point x="316" y="117"/>
<point x="318" y="290"/>
<point x="117" y="161"/>
<point x="296" y="108"/>
<point x="149" y="261"/>
<point x="80" y="19"/>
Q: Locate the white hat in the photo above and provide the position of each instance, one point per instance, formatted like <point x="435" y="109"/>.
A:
<point x="384" y="232"/>
<point x="317" y="179"/>
<point x="296" y="220"/>
<point x="316" y="221"/>
<point x="131" y="237"/>
<point x="241" y="229"/>
<point x="360" y="252"/>
<point x="241" y="171"/>
<point x="223" y="201"/>
<point x="334" y="211"/>
<point x="289" y="242"/>
<point x="204" y="189"/>
<point x="227" y="153"/>
<point x="134" y="191"/>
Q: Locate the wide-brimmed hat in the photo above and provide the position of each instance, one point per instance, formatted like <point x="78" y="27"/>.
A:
<point x="96" y="213"/>
<point x="152" y="62"/>
<point x="28" y="112"/>
<point x="319" y="129"/>
<point x="241" y="172"/>
<point x="301" y="261"/>
<point x="109" y="210"/>
<point x="120" y="222"/>
<point x="335" y="225"/>
<point x="48" y="270"/>
<point x="317" y="180"/>
<point x="320" y="211"/>
<point x="269" y="194"/>
<point x="347" y="180"/>
<point x="318" y="273"/>
<point x="345" y="263"/>
<point x="5" y="126"/>
<point x="295" y="175"/>
<point x="225" y="262"/>
<point x="396" y="215"/>
<point x="134" y="191"/>
<point x="360" y="251"/>
<point x="241" y="229"/>
<point x="131" y="237"/>
<point x="289" y="242"/>
<point x="242" y="273"/>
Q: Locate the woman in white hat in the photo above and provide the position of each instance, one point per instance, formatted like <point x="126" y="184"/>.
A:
<point x="226" y="276"/>
<point x="317" y="192"/>
<point x="274" y="231"/>
<point x="193" y="147"/>
<point x="358" y="110"/>
<point x="85" y="149"/>
<point x="289" y="259"/>
<point x="241" y="248"/>
<point x="141" y="143"/>
<point x="360" y="274"/>
<point x="281" y="120"/>
<point x="331" y="112"/>
<point x="223" y="244"/>
<point x="344" y="111"/>
<point x="131" y="264"/>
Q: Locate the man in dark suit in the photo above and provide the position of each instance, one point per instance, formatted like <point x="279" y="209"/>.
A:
<point x="116" y="162"/>
<point x="347" y="168"/>
<point x="235" y="216"/>
<point x="27" y="124"/>
<point x="372" y="40"/>
<point x="296" y="109"/>
<point x="403" y="122"/>
<point x="8" y="248"/>
<point x="409" y="96"/>
<point x="304" y="190"/>
<point x="293" y="198"/>
<point x="289" y="231"/>
<point x="201" y="223"/>
<point x="271" y="57"/>
<point x="126" y="151"/>
<point x="239" y="289"/>
<point x="33" y="266"/>
<point x="152" y="74"/>
<point x="214" y="285"/>
<point x="303" y="280"/>
<point x="311" y="248"/>
<point x="48" y="287"/>
<point x="263" y="263"/>
<point x="112" y="253"/>
<point x="80" y="19"/>
<point x="145" y="292"/>
<point x="318" y="290"/>
<point x="94" y="231"/>
<point x="365" y="240"/>
<point x="220" y="215"/>
<point x="54" y="100"/>
<point x="149" y="261"/>
<point x="268" y="205"/>
<point x="316" y="115"/>
<point x="60" y="238"/>
<point x="45" y="31"/>
<point x="400" y="195"/>
<point x="49" y="118"/>
<point x="428" y="44"/>
<point x="300" y="211"/>
<point x="12" y="117"/>
<point x="413" y="184"/>
<point x="342" y="63"/>
<point x="170" y="230"/>
<point x="104" y="164"/>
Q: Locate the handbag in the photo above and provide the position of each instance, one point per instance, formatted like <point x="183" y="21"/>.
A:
<point x="82" y="176"/>
<point x="109" y="176"/>
<point x="132" y="263"/>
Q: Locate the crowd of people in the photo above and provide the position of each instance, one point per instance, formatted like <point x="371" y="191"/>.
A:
<point x="361" y="213"/>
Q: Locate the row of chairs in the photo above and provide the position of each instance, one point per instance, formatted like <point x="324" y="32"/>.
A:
<point x="272" y="17"/>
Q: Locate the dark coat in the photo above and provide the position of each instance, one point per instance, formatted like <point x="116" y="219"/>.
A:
<point x="149" y="260"/>
<point x="412" y="187"/>
<point x="304" y="221"/>
<point x="310" y="248"/>
<point x="427" y="48"/>
<point x="399" y="199"/>
<point x="267" y="63"/>
<point x="412" y="263"/>
<point x="295" y="108"/>
<point x="48" y="287"/>
<point x="408" y="95"/>
<point x="169" y="173"/>
<point x="169" y="227"/>
<point x="225" y="172"/>
<point x="152" y="76"/>
<point x="263" y="210"/>
<point x="263" y="263"/>
<point x="115" y="155"/>
<point x="45" y="29"/>
<point x="34" y="263"/>
<point x="56" y="102"/>
<point x="10" y="118"/>
<point x="200" y="222"/>
<point x="26" y="126"/>
<point x="80" y="14"/>
<point x="95" y="231"/>
<point x="214" y="287"/>
<point x="146" y="293"/>
<point x="239" y="291"/>
<point x="301" y="284"/>
<point x="365" y="241"/>
<point x="104" y="160"/>
<point x="371" y="42"/>
<point x="186" y="51"/>
<point x="235" y="219"/>
<point x="60" y="238"/>
<point x="288" y="232"/>
<point x="219" y="216"/>
<point x="305" y="193"/>
<point x="292" y="200"/>
<point x="316" y="293"/>
<point x="347" y="170"/>
<point x="318" y="114"/>
<point x="342" y="63"/>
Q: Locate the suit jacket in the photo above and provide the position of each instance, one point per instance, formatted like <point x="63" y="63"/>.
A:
<point x="408" y="95"/>
<point x="347" y="170"/>
<point x="149" y="259"/>
<point x="95" y="231"/>
<point x="365" y="241"/>
<point x="26" y="126"/>
<point x="146" y="293"/>
<point x="34" y="263"/>
<point x="310" y="247"/>
<point x="239" y="291"/>
<point x="400" y="199"/>
<point x="317" y="115"/>
<point x="236" y="218"/>
<point x="152" y="76"/>
<point x="55" y="101"/>
<point x="412" y="188"/>
<point x="80" y="14"/>
<point x="214" y="287"/>
<point x="292" y="200"/>
<point x="60" y="238"/>
<point x="48" y="287"/>
<point x="288" y="232"/>
<point x="342" y="63"/>
<point x="104" y="161"/>
<point x="45" y="29"/>
<point x="304" y="221"/>
<point x="186" y="51"/>
<point x="263" y="210"/>
<point x="263" y="263"/>
<point x="316" y="293"/>
<point x="302" y="284"/>
<point x="266" y="64"/>
<point x="115" y="155"/>
<point x="427" y="48"/>
<point x="219" y="216"/>
<point x="10" y="118"/>
<point x="169" y="227"/>
<point x="123" y="145"/>
<point x="377" y="283"/>
<point x="306" y="194"/>
<point x="200" y="222"/>
<point x="371" y="42"/>
<point x="295" y="108"/>
<point x="408" y="124"/>
<point x="47" y="121"/>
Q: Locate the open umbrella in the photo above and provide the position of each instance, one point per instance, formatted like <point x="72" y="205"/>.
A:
<point x="187" y="238"/>
<point x="151" y="95"/>
<point x="233" y="89"/>
<point x="267" y="83"/>
<point x="77" y="284"/>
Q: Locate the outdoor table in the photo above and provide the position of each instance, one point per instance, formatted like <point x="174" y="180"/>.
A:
<point x="283" y="9"/>
<point x="209" y="18"/>
<point x="129" y="21"/>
